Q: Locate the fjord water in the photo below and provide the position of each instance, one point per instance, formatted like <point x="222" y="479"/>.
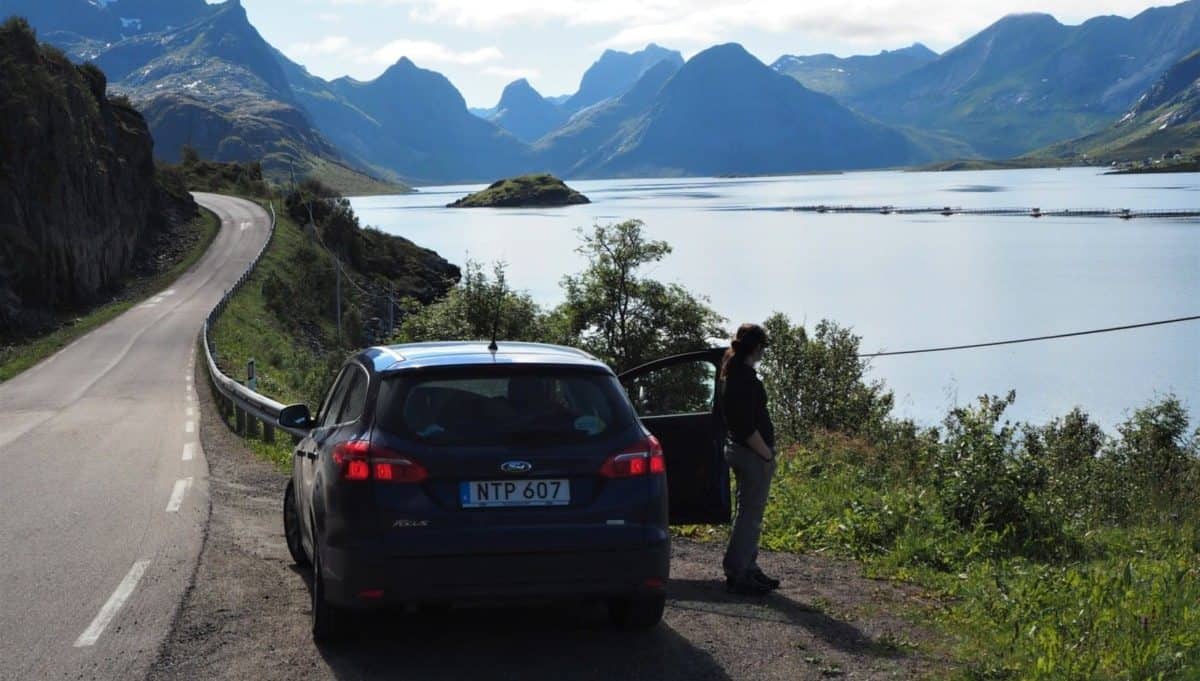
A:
<point x="901" y="282"/>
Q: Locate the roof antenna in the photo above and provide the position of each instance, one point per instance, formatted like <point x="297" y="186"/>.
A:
<point x="493" y="346"/>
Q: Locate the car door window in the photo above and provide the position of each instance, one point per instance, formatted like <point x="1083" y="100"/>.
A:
<point x="356" y="398"/>
<point x="674" y="398"/>
<point x="685" y="388"/>
<point x="337" y="398"/>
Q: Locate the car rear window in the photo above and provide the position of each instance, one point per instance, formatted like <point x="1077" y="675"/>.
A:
<point x="504" y="406"/>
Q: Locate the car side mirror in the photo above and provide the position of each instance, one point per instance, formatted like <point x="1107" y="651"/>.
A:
<point x="296" y="416"/>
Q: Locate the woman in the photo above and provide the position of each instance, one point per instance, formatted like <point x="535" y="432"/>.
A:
<point x="750" y="451"/>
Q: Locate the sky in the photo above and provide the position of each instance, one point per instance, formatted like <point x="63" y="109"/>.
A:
<point x="482" y="45"/>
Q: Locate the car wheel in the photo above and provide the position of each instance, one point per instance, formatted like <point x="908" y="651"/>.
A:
<point x="291" y="527"/>
<point x="637" y="612"/>
<point x="328" y="625"/>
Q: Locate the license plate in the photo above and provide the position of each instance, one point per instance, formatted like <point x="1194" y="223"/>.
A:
<point x="491" y="493"/>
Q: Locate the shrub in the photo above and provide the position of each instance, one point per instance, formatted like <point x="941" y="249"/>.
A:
<point x="986" y="480"/>
<point x="819" y="383"/>
<point x="1158" y="456"/>
<point x="473" y="308"/>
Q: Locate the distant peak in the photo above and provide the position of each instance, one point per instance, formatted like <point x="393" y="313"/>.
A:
<point x="518" y="89"/>
<point x="402" y="64"/>
<point x="232" y="5"/>
<point x="725" y="51"/>
<point x="1026" y="18"/>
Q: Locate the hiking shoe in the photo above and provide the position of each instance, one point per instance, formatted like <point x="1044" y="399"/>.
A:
<point x="746" y="587"/>
<point x="761" y="577"/>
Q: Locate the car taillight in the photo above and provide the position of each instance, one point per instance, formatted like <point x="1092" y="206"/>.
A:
<point x="645" y="457"/>
<point x="359" y="460"/>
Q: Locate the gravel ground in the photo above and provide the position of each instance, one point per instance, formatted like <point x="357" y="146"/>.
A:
<point x="247" y="614"/>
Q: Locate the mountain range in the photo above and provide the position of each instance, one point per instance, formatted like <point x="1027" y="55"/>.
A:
<point x="1163" y="121"/>
<point x="202" y="75"/>
<point x="846" y="77"/>
<point x="1028" y="81"/>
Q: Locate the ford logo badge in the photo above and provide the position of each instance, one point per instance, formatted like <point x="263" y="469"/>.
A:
<point x="516" y="466"/>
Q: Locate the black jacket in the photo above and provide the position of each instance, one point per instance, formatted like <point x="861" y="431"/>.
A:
<point x="742" y="405"/>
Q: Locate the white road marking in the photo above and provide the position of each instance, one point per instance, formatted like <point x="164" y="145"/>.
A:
<point x="246" y="225"/>
<point x="189" y="427"/>
<point x="168" y="292"/>
<point x="176" y="500"/>
<point x="190" y="412"/>
<point x="189" y="451"/>
<point x="113" y="605"/>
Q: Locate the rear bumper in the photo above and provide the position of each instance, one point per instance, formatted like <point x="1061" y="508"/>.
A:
<point x="461" y="578"/>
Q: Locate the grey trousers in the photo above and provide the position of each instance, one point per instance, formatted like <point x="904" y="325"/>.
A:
<point x="753" y="474"/>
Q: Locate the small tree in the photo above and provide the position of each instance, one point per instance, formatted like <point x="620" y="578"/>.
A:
<point x="189" y="155"/>
<point x="1157" y="453"/>
<point x="818" y="382"/>
<point x="623" y="318"/>
<point x="469" y="311"/>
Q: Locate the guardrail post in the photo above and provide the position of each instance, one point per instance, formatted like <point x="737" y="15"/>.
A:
<point x="268" y="433"/>
<point x="240" y="422"/>
<point x="252" y="385"/>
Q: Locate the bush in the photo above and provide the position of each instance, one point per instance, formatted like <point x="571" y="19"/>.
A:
<point x="986" y="480"/>
<point x="1159" y="457"/>
<point x="473" y="309"/>
<point x="818" y="383"/>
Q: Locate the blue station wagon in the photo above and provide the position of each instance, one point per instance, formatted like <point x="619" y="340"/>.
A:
<point x="449" y="472"/>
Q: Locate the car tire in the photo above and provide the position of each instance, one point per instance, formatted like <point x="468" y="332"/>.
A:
<point x="291" y="527"/>
<point x="637" y="613"/>
<point x="328" y="622"/>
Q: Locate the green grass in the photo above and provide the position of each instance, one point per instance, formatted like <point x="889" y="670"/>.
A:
<point x="1125" y="606"/>
<point x="288" y="370"/>
<point x="19" y="357"/>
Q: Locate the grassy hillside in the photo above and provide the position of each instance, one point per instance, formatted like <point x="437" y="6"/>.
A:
<point x="1163" y="124"/>
<point x="285" y="316"/>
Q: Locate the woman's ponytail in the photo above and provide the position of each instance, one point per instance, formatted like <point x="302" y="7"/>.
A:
<point x="749" y="338"/>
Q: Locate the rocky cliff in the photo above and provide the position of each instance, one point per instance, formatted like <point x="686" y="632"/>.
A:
<point x="80" y="198"/>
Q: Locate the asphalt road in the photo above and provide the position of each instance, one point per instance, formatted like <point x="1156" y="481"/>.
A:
<point x="103" y="481"/>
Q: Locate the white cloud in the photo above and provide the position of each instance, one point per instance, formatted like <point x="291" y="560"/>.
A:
<point x="330" y="45"/>
<point x="697" y="22"/>
<point x="429" y="52"/>
<point x="512" y="73"/>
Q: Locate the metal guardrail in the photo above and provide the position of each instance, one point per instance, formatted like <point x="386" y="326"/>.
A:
<point x="243" y="401"/>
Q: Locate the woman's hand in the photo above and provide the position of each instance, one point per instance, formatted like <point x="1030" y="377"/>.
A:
<point x="759" y="445"/>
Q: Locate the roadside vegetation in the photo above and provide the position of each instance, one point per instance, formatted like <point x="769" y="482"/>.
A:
<point x="1060" y="552"/>
<point x="195" y="174"/>
<point x="19" y="354"/>
<point x="1055" y="551"/>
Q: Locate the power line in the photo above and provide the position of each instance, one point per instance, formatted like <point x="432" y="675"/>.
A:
<point x="1032" y="340"/>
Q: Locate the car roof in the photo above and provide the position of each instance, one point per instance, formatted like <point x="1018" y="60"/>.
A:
<point x="412" y="356"/>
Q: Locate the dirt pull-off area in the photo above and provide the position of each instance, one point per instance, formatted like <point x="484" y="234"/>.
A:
<point x="247" y="614"/>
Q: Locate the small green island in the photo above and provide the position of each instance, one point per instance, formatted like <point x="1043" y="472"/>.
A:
<point x="541" y="190"/>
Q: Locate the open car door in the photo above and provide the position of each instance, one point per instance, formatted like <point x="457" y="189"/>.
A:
<point x="674" y="398"/>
